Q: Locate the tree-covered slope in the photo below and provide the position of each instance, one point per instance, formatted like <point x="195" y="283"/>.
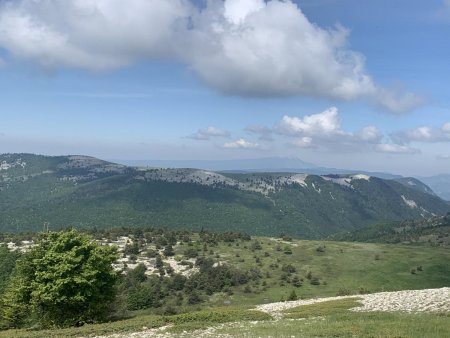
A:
<point x="86" y="192"/>
<point x="433" y="231"/>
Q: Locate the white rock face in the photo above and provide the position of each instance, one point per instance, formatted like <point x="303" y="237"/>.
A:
<point x="410" y="203"/>
<point x="317" y="189"/>
<point x="299" y="179"/>
<point x="344" y="181"/>
<point x="361" y="177"/>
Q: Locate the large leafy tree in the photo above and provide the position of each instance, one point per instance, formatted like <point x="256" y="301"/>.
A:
<point x="67" y="278"/>
<point x="7" y="263"/>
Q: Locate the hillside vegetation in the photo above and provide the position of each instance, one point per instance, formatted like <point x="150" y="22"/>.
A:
<point x="434" y="231"/>
<point x="85" y="192"/>
<point x="197" y="280"/>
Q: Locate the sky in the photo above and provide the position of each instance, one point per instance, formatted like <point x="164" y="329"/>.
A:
<point x="354" y="84"/>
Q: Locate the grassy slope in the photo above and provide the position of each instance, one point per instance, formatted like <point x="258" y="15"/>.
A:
<point x="347" y="266"/>
<point x="333" y="319"/>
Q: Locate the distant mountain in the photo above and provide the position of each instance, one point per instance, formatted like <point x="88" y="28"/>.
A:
<point x="440" y="185"/>
<point x="267" y="164"/>
<point x="86" y="192"/>
<point x="258" y="164"/>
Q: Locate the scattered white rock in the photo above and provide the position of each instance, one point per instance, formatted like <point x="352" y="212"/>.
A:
<point x="412" y="301"/>
<point x="4" y="165"/>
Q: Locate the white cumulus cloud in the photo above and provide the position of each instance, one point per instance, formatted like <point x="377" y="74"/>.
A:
<point x="241" y="144"/>
<point x="237" y="10"/>
<point x="325" y="123"/>
<point x="239" y="47"/>
<point x="91" y="34"/>
<point x="324" y="131"/>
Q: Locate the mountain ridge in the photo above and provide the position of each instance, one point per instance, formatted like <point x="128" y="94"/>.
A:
<point x="440" y="184"/>
<point x="86" y="192"/>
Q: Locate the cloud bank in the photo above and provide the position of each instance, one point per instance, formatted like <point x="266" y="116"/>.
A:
<point x="251" y="48"/>
<point x="424" y="134"/>
<point x="323" y="131"/>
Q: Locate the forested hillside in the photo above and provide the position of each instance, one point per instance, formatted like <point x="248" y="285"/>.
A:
<point x="84" y="192"/>
<point x="433" y="231"/>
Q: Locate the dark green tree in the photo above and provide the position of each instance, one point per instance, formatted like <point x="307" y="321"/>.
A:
<point x="66" y="279"/>
<point x="292" y="296"/>
<point x="168" y="251"/>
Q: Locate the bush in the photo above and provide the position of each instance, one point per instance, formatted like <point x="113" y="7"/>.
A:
<point x="255" y="245"/>
<point x="194" y="298"/>
<point x="289" y="268"/>
<point x="151" y="253"/>
<point x="343" y="292"/>
<point x="221" y="315"/>
<point x="320" y="248"/>
<point x="190" y="253"/>
<point x="292" y="296"/>
<point x="315" y="281"/>
<point x="168" y="251"/>
<point x="131" y="249"/>
<point x="287" y="250"/>
<point x="363" y="291"/>
<point x="296" y="282"/>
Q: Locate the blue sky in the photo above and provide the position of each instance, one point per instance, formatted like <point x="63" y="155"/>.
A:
<point x="352" y="84"/>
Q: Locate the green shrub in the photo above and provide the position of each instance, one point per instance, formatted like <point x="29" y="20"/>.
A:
<point x="292" y="296"/>
<point x="218" y="315"/>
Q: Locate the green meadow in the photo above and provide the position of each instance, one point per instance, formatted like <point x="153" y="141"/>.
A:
<point x="307" y="268"/>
